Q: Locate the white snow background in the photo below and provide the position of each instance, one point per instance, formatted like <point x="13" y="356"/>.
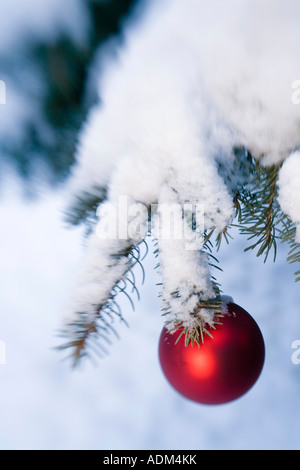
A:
<point x="124" y="402"/>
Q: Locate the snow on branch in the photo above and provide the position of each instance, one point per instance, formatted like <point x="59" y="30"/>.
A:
<point x="193" y="82"/>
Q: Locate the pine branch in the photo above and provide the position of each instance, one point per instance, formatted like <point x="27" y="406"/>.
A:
<point x="224" y="235"/>
<point x="287" y="235"/>
<point x="87" y="331"/>
<point x="84" y="208"/>
<point x="199" y="325"/>
<point x="257" y="210"/>
<point x="260" y="216"/>
<point x="214" y="262"/>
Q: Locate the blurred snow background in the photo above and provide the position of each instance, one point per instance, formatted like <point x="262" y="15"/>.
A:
<point x="123" y="402"/>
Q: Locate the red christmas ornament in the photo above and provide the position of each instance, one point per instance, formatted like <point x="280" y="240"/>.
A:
<point x="223" y="368"/>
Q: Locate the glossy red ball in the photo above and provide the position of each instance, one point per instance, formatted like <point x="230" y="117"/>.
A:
<point x="221" y="369"/>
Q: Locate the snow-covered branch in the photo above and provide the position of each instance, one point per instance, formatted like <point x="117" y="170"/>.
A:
<point x="193" y="82"/>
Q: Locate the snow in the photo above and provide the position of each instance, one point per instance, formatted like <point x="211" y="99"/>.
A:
<point x="191" y="82"/>
<point x="124" y="402"/>
<point x="289" y="189"/>
<point x="190" y="68"/>
<point x="181" y="129"/>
